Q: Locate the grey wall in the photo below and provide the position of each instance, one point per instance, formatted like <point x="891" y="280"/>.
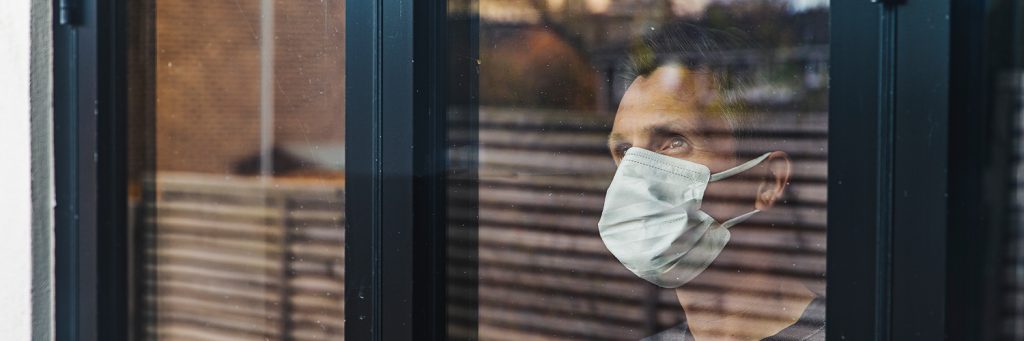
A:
<point x="26" y="200"/>
<point x="42" y="169"/>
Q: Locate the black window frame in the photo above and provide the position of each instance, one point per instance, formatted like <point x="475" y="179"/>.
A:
<point x="90" y="249"/>
<point x="896" y="215"/>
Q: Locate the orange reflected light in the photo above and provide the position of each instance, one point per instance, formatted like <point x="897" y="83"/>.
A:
<point x="598" y="6"/>
<point x="556" y="5"/>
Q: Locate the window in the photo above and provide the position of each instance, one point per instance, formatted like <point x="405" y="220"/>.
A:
<point x="513" y="169"/>
<point x="596" y="120"/>
<point x="236" y="171"/>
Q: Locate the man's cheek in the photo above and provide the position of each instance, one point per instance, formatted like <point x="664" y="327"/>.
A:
<point x="716" y="210"/>
<point x="723" y="202"/>
<point x="719" y="143"/>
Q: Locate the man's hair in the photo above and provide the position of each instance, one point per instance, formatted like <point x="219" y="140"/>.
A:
<point x="699" y="50"/>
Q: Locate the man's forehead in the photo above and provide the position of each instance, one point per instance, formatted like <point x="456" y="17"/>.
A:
<point x="668" y="97"/>
<point x="656" y="119"/>
<point x="673" y="79"/>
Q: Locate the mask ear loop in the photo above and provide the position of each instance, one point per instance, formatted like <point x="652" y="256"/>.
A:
<point x="739" y="169"/>
<point x="732" y="222"/>
<point x="733" y="171"/>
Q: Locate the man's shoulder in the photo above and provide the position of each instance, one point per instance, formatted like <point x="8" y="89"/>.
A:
<point x="677" y="333"/>
<point x="810" y="327"/>
<point x="680" y="333"/>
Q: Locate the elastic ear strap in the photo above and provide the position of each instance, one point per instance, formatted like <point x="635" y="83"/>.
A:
<point x="739" y="169"/>
<point x="732" y="222"/>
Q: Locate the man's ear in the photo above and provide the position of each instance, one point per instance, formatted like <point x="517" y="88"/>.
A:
<point x="774" y="180"/>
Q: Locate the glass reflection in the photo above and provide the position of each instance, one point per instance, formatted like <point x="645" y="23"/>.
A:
<point x="568" y="87"/>
<point x="236" y="155"/>
<point x="1006" y="66"/>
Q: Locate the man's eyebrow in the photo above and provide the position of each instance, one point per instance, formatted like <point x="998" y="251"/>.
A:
<point x="659" y="129"/>
<point x="616" y="138"/>
<point x="667" y="129"/>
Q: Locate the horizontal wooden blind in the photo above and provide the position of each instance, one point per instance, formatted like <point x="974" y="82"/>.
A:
<point x="243" y="259"/>
<point x="1011" y="314"/>
<point x="544" y="273"/>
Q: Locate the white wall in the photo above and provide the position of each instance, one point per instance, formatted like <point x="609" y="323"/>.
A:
<point x="15" y="170"/>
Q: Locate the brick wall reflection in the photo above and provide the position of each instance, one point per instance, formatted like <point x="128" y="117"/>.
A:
<point x="208" y="81"/>
<point x="221" y="253"/>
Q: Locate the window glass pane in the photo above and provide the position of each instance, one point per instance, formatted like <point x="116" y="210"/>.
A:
<point x="236" y="169"/>
<point x="600" y="124"/>
<point x="1006" y="64"/>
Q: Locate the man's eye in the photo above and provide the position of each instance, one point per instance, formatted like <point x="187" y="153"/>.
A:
<point x="621" y="149"/>
<point x="677" y="144"/>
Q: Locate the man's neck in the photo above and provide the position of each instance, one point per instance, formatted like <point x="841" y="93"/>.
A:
<point x="746" y="315"/>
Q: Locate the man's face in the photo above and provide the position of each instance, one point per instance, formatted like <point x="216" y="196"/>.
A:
<point x="663" y="112"/>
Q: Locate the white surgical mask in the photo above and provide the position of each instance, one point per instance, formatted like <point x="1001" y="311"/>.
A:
<point x="652" y="220"/>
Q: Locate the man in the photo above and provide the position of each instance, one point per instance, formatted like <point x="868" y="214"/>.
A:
<point x="676" y="138"/>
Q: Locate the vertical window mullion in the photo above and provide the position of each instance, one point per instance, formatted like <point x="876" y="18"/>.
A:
<point x="920" y="177"/>
<point x="853" y="176"/>
<point x="397" y="170"/>
<point x="362" y="171"/>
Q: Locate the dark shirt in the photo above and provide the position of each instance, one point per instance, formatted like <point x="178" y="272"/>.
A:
<point x="810" y="327"/>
